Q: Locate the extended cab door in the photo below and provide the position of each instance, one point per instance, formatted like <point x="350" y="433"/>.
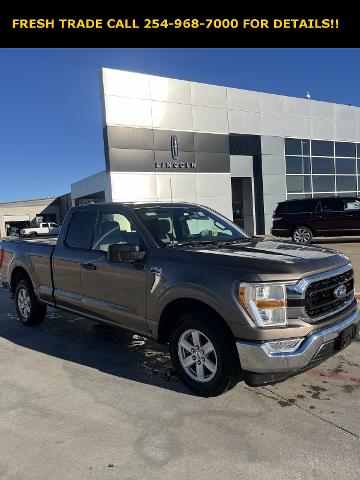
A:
<point x="114" y="291"/>
<point x="69" y="253"/>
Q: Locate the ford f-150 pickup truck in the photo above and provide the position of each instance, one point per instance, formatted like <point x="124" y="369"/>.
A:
<point x="229" y="305"/>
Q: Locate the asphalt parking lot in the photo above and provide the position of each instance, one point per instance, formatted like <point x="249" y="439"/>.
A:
<point x="82" y="400"/>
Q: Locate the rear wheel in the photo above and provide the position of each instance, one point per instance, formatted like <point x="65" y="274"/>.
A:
<point x="204" y="355"/>
<point x="30" y="311"/>
<point x="302" y="235"/>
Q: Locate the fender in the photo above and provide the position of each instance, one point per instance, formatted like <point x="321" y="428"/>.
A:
<point x="18" y="263"/>
<point x="189" y="291"/>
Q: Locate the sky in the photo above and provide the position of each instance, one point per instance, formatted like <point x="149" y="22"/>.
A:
<point x="50" y="105"/>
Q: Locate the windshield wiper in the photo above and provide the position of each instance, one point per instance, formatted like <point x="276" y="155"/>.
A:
<point x="195" y="243"/>
<point x="234" y="240"/>
<point x="209" y="242"/>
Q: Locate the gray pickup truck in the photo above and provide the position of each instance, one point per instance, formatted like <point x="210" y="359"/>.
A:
<point x="231" y="306"/>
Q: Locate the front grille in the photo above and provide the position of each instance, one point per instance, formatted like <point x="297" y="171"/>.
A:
<point x="320" y="296"/>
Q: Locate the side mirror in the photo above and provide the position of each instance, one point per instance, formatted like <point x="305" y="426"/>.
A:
<point x="124" y="252"/>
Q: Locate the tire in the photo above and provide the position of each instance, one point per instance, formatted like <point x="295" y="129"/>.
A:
<point x="33" y="235"/>
<point x="30" y="311"/>
<point x="223" y="360"/>
<point x="302" y="235"/>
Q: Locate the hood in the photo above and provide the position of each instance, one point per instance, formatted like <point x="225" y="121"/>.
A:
<point x="267" y="258"/>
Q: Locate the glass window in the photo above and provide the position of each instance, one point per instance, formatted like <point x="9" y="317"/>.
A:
<point x="345" y="184"/>
<point x="291" y="196"/>
<point x="114" y="228"/>
<point x="332" y="205"/>
<point x="282" y="207"/>
<point x="352" y="204"/>
<point x="298" y="165"/>
<point x="81" y="230"/>
<point x="44" y="225"/>
<point x="298" y="183"/>
<point x="320" y="148"/>
<point x="344" y="149"/>
<point x="324" y="183"/>
<point x="348" y="194"/>
<point x="304" y="206"/>
<point x="54" y="225"/>
<point x="345" y="165"/>
<point x="322" y="165"/>
<point x="171" y="226"/>
<point x="294" y="146"/>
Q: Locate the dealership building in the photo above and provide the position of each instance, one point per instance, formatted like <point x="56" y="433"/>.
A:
<point x="237" y="151"/>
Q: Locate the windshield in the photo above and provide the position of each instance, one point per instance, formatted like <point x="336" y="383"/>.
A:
<point x="188" y="225"/>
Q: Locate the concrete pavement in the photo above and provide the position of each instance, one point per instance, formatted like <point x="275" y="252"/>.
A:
<point x="81" y="400"/>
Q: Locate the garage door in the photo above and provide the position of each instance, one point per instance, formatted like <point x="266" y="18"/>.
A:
<point x="16" y="218"/>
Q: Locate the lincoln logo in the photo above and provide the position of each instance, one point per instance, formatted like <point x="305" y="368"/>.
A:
<point x="340" y="291"/>
<point x="174" y="147"/>
<point x="175" y="164"/>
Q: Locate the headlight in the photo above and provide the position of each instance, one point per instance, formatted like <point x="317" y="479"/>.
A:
<point x="265" y="303"/>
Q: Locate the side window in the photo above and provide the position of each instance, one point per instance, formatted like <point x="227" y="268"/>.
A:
<point x="44" y="225"/>
<point x="54" y="225"/>
<point x="114" y="228"/>
<point x="304" y="206"/>
<point x="332" y="205"/>
<point x="81" y="230"/>
<point x="351" y="204"/>
<point x="282" y="208"/>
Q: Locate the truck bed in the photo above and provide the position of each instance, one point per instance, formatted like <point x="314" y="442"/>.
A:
<point x="41" y="240"/>
<point x="35" y="254"/>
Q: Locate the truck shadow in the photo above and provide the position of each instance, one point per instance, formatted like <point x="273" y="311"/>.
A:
<point x="106" y="348"/>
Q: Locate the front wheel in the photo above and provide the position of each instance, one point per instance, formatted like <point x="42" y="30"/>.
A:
<point x="204" y="355"/>
<point x="302" y="235"/>
<point x="30" y="311"/>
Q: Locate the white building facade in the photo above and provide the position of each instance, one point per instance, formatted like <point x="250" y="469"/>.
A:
<point x="237" y="151"/>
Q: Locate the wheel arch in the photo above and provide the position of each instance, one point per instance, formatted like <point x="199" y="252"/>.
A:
<point x="304" y="224"/>
<point x="178" y="307"/>
<point x="18" y="273"/>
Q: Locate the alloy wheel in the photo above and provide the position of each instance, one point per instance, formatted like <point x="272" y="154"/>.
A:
<point x="197" y="356"/>
<point x="24" y="303"/>
<point x="302" y="235"/>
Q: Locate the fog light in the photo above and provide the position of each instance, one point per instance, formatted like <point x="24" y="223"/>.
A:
<point x="284" y="346"/>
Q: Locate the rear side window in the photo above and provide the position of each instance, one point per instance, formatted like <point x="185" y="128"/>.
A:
<point x="306" y="206"/>
<point x="81" y="230"/>
<point x="332" y="205"/>
<point x="45" y="225"/>
<point x="282" y="208"/>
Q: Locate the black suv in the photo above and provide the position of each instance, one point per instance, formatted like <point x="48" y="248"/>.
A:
<point x="303" y="219"/>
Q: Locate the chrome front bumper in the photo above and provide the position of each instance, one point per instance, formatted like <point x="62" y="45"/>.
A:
<point x="255" y="357"/>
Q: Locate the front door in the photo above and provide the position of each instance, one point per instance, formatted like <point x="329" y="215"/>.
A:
<point x="114" y="291"/>
<point x="351" y="216"/>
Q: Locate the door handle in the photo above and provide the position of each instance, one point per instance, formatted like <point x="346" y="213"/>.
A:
<point x="88" y="266"/>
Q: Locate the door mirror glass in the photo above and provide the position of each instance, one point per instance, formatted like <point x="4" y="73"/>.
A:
<point x="125" y="252"/>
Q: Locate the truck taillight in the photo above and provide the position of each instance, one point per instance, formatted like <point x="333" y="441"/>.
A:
<point x="2" y="253"/>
